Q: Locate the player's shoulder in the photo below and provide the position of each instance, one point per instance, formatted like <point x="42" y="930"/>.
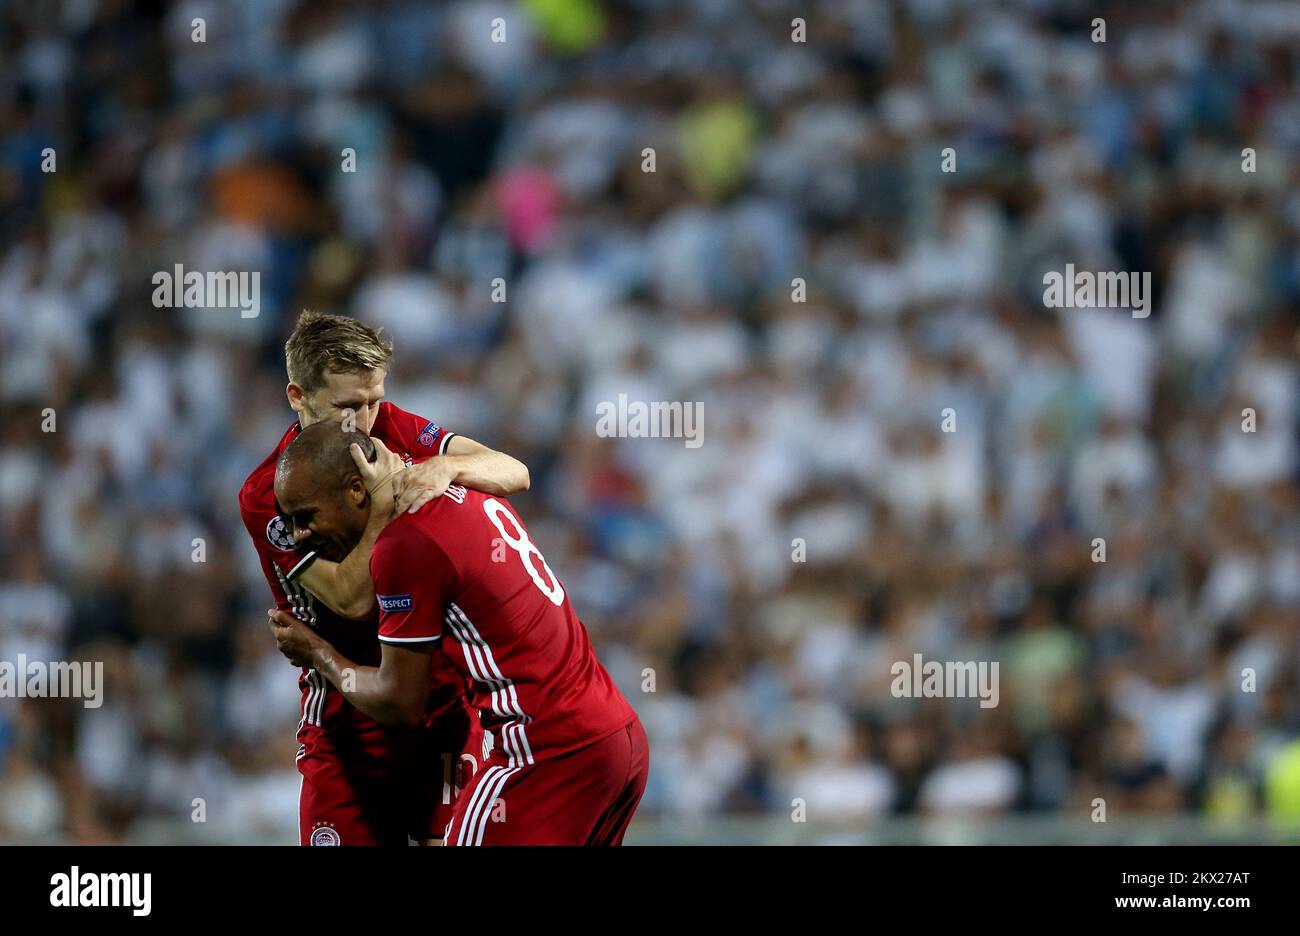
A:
<point x="407" y="535"/>
<point x="440" y="521"/>
<point x="411" y="429"/>
<point x="390" y="409"/>
<point x="456" y="505"/>
<point x="257" y="494"/>
<point x="253" y="494"/>
<point x="394" y="417"/>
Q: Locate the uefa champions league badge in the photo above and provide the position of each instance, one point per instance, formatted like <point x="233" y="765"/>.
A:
<point x="427" y="434"/>
<point x="278" y="535"/>
<point x="325" y="834"/>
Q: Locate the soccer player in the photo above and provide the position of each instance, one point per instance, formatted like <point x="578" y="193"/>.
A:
<point x="462" y="580"/>
<point x="362" y="782"/>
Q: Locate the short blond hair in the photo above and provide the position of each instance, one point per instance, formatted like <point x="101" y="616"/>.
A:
<point x="322" y="342"/>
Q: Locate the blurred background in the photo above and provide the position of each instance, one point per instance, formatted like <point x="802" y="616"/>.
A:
<point x="774" y="160"/>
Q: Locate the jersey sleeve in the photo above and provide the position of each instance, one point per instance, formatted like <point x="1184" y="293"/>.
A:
<point x="419" y="436"/>
<point x="281" y="561"/>
<point x="414" y="580"/>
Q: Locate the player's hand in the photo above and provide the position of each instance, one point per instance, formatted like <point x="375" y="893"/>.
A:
<point x="381" y="476"/>
<point x="294" y="638"/>
<point x="421" y="483"/>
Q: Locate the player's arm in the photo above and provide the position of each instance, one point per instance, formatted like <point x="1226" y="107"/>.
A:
<point x="274" y="548"/>
<point x="345" y="586"/>
<point x="414" y="578"/>
<point x="465" y="462"/>
<point x="396" y="692"/>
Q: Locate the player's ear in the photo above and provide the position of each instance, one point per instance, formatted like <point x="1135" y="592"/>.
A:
<point x="296" y="396"/>
<point x="357" y="491"/>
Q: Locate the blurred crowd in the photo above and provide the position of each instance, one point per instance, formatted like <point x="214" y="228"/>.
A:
<point x="798" y="262"/>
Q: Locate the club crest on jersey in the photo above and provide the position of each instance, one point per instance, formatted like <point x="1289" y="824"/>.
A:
<point x="325" y="835"/>
<point x="427" y="434"/>
<point x="278" y="535"/>
<point x="392" y="603"/>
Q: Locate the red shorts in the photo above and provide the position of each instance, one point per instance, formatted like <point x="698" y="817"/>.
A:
<point x="368" y="784"/>
<point x="585" y="797"/>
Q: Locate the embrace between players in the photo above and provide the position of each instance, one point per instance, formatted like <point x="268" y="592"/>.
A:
<point x="450" y="692"/>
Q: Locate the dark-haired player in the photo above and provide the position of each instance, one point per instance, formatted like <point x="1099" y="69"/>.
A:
<point x="362" y="782"/>
<point x="570" y="757"/>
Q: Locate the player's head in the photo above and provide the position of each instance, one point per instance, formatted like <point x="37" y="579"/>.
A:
<point x="320" y="491"/>
<point x="335" y="364"/>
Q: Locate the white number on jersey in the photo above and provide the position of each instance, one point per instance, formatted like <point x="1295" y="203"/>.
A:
<point x="520" y="543"/>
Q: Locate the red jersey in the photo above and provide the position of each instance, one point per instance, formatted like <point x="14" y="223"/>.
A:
<point x="464" y="572"/>
<point x="414" y="439"/>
